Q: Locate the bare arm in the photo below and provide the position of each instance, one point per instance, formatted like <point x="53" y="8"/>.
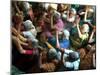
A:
<point x="77" y="24"/>
<point x="57" y="40"/>
<point x="52" y="26"/>
<point x="79" y="32"/>
<point x="15" y="32"/>
<point x="86" y="12"/>
<point x="17" y="43"/>
<point x="91" y="36"/>
<point x="16" y="7"/>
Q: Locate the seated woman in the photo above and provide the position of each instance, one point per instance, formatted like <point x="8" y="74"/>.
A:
<point x="18" y="39"/>
<point x="30" y="32"/>
<point x="23" y="51"/>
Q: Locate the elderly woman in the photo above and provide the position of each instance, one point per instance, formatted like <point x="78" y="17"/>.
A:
<point x="79" y="37"/>
<point x="17" y="38"/>
<point x="70" y="60"/>
<point x="30" y="31"/>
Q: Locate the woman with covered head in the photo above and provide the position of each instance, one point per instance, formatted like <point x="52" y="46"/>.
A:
<point x="30" y="31"/>
<point x="79" y="35"/>
<point x="62" y="39"/>
<point x="71" y="15"/>
<point x="69" y="18"/>
<point x="70" y="60"/>
<point x="18" y="40"/>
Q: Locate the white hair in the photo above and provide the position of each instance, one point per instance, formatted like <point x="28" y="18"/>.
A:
<point x="85" y="28"/>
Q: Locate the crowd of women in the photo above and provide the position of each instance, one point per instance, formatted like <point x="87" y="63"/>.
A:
<point x="50" y="37"/>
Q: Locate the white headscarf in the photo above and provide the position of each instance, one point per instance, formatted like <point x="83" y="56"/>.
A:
<point x="28" y="25"/>
<point x="85" y="28"/>
<point x="73" y="10"/>
<point x="26" y="6"/>
<point x="66" y="33"/>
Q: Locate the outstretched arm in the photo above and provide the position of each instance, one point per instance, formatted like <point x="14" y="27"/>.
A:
<point x="17" y="8"/>
<point x="57" y="40"/>
<point x="15" y="32"/>
<point x="79" y="32"/>
<point x="91" y="36"/>
<point x="86" y="12"/>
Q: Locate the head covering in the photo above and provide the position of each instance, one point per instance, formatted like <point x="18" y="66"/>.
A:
<point x="64" y="17"/>
<point x="85" y="28"/>
<point x="73" y="10"/>
<point x="26" y="6"/>
<point x="52" y="54"/>
<point x="73" y="56"/>
<point x="57" y="15"/>
<point x="66" y="33"/>
<point x="28" y="25"/>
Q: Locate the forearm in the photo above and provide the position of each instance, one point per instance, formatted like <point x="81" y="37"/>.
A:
<point x="57" y="40"/>
<point x="23" y="43"/>
<point x="52" y="26"/>
<point x="17" y="9"/>
<point x="22" y="38"/>
<point x="19" y="28"/>
<point x="17" y="43"/>
<point x="19" y="47"/>
<point x="14" y="31"/>
<point x="79" y="32"/>
<point x="91" y="36"/>
<point x="85" y="16"/>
